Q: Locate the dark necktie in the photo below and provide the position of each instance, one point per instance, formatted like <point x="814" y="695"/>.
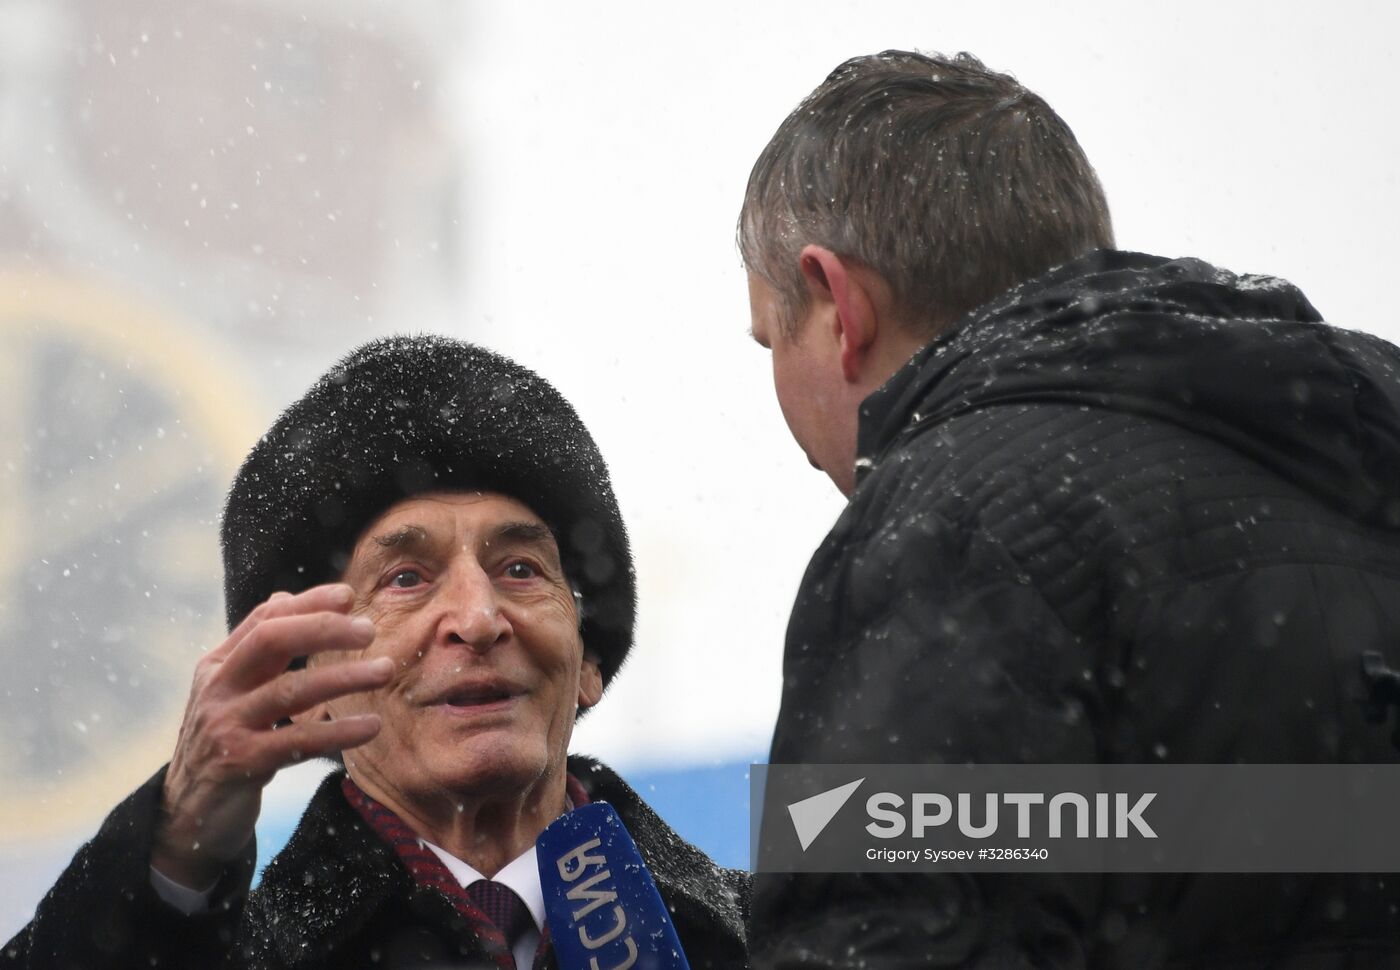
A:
<point x="503" y="907"/>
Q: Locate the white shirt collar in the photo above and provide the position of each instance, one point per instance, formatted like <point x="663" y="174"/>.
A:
<point x="521" y="874"/>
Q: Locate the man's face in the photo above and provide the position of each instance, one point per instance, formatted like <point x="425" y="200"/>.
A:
<point x="470" y="602"/>
<point x="815" y="401"/>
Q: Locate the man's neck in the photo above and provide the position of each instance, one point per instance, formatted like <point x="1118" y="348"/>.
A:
<point x="484" y="831"/>
<point x="896" y="348"/>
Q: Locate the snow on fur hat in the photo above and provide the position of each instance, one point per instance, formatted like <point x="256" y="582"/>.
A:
<point x="405" y="415"/>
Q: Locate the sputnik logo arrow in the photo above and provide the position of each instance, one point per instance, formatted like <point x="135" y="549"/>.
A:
<point x="811" y="815"/>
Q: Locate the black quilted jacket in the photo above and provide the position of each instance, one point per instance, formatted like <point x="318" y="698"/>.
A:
<point x="1137" y="510"/>
<point x="336" y="897"/>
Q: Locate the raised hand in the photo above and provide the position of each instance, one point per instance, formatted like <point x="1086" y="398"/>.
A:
<point x="230" y="743"/>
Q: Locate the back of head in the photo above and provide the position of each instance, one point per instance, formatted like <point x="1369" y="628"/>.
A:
<point x="951" y="181"/>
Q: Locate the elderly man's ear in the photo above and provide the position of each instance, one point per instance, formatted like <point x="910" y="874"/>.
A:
<point x="321" y="712"/>
<point x="590" y="682"/>
<point x="318" y="712"/>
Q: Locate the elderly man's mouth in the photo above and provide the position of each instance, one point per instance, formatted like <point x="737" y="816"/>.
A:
<point x="479" y="696"/>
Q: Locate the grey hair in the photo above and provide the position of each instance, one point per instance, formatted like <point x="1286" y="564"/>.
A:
<point x="951" y="181"/>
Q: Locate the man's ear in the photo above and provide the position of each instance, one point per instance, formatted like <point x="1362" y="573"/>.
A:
<point x="839" y="284"/>
<point x="590" y="682"/>
<point x="319" y="712"/>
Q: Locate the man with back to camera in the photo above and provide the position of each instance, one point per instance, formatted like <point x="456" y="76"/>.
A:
<point x="430" y="537"/>
<point x="1103" y="507"/>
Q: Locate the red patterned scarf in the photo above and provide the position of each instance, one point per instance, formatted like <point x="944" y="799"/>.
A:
<point x="428" y="870"/>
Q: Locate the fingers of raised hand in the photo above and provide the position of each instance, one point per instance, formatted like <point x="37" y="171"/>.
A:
<point x="240" y="756"/>
<point x="227" y="739"/>
<point x="329" y="598"/>
<point x="270" y="646"/>
<point x="300" y="690"/>
<point x="311" y="739"/>
<point x="243" y="688"/>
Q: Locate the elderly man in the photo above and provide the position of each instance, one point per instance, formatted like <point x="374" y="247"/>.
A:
<point x="425" y="569"/>
<point x="1103" y="507"/>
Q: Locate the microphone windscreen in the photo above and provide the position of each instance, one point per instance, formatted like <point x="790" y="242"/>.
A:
<point x="603" y="909"/>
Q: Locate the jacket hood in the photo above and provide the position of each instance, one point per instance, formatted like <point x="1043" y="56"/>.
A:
<point x="1243" y="359"/>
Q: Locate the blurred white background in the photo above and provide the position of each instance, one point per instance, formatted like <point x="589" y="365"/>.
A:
<point x="201" y="206"/>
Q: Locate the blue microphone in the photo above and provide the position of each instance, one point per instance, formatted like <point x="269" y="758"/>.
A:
<point x="603" y="908"/>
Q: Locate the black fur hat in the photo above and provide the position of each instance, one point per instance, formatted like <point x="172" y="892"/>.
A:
<point x="405" y="415"/>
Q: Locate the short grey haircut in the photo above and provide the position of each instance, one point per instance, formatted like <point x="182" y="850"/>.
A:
<point x="951" y="181"/>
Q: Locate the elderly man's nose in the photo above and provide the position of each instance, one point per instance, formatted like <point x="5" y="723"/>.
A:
<point x="471" y="610"/>
<point x="482" y="627"/>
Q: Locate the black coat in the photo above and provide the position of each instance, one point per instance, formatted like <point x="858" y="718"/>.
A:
<point x="335" y="897"/>
<point x="1133" y="511"/>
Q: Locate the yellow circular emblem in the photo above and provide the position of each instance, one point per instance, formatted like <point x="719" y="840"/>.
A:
<point x="120" y="430"/>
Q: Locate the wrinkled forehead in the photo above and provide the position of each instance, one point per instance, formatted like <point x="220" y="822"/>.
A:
<point x="449" y="519"/>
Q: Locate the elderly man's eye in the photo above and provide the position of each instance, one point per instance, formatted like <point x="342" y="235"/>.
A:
<point x="521" y="570"/>
<point x="405" y="578"/>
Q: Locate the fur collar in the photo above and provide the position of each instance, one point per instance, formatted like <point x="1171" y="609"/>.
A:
<point x="335" y="875"/>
